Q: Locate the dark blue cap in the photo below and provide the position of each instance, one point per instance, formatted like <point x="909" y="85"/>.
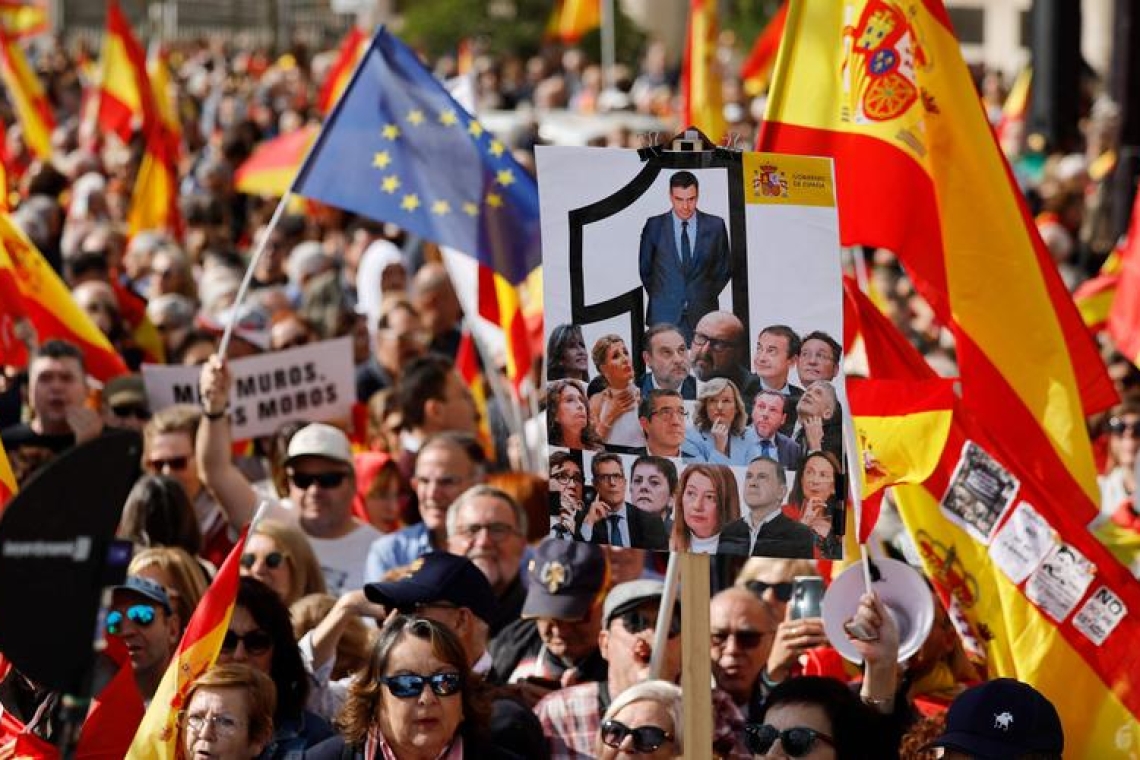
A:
<point x="1002" y="718"/>
<point x="145" y="587"/>
<point x="438" y="577"/>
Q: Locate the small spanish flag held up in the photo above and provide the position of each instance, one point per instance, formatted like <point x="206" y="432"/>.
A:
<point x="570" y="19"/>
<point x="123" y="91"/>
<point x="701" y="99"/>
<point x="157" y="736"/>
<point x="918" y="172"/>
<point x="756" y="71"/>
<point x="351" y="48"/>
<point x="45" y="300"/>
<point x="27" y="96"/>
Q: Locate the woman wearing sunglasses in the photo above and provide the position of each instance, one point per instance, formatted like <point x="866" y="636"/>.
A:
<point x="228" y="715"/>
<point x="644" y="722"/>
<point x="416" y="700"/>
<point x="279" y="555"/>
<point x="261" y="636"/>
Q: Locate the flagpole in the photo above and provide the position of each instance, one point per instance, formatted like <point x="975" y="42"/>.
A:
<point x="855" y="488"/>
<point x="608" y="44"/>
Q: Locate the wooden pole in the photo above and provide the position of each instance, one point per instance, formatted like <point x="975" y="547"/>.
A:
<point x="696" y="669"/>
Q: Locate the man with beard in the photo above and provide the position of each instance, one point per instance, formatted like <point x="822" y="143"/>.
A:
<point x="718" y="350"/>
<point x="764" y="437"/>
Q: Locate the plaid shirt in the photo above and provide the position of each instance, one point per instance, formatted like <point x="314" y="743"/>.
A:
<point x="572" y="717"/>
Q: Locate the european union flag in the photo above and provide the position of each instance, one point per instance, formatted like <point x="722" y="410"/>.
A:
<point x="398" y="148"/>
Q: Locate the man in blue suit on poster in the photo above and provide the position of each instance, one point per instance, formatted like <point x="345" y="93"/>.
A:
<point x="684" y="259"/>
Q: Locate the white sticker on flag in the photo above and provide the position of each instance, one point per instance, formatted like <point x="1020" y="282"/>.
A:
<point x="1021" y="544"/>
<point x="1100" y="615"/>
<point x="1060" y="582"/>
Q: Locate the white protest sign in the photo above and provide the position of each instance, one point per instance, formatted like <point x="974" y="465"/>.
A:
<point x="1060" y="582"/>
<point x="315" y="383"/>
<point x="1022" y="543"/>
<point x="1100" y="615"/>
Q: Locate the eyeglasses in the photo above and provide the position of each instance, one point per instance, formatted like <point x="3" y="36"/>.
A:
<point x="1117" y="426"/>
<point x="564" y="477"/>
<point x="411" y="685"/>
<point x="497" y="531"/>
<point x="782" y="590"/>
<point x="611" y="477"/>
<point x="323" y="479"/>
<point x="796" y="741"/>
<point x="701" y="340"/>
<point x="223" y="725"/>
<point x="636" y="621"/>
<point x="140" y="614"/>
<point x="272" y="560"/>
<point x="671" y="413"/>
<point x="645" y="738"/>
<point x="744" y="639"/>
<point x="130" y="410"/>
<point x="174" y="464"/>
<point x="256" y="641"/>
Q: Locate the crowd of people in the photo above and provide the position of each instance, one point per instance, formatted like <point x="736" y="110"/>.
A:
<point x="411" y="591"/>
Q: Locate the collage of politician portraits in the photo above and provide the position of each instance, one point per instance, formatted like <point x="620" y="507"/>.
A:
<point x="694" y="389"/>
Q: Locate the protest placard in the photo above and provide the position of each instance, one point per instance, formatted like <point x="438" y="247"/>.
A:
<point x="314" y="383"/>
<point x="679" y="288"/>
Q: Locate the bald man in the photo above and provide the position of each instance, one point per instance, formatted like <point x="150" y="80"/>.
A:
<point x="434" y="298"/>
<point x="742" y="629"/>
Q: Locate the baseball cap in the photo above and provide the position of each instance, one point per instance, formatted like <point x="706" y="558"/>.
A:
<point x="625" y="596"/>
<point x="564" y="579"/>
<point x="439" y="577"/>
<point x="1002" y="718"/>
<point x="124" y="390"/>
<point x="147" y="588"/>
<point x="320" y="440"/>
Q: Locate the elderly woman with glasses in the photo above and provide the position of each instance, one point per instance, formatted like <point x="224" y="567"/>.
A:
<point x="261" y="636"/>
<point x="416" y="700"/>
<point x="645" y="720"/>
<point x="228" y="715"/>
<point x="717" y="432"/>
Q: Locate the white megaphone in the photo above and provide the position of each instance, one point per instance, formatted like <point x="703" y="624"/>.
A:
<point x="903" y="592"/>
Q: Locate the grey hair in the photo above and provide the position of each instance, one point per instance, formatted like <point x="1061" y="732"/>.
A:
<point x="477" y="491"/>
<point x="668" y="695"/>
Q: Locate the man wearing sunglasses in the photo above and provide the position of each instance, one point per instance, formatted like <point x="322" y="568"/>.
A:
<point x="124" y="403"/>
<point x="140" y="614"/>
<point x="321" y="474"/>
<point x="571" y="717"/>
<point x="742" y="630"/>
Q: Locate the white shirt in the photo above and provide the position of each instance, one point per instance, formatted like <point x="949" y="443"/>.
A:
<point x="704" y="545"/>
<point x="341" y="559"/>
<point x="755" y="529"/>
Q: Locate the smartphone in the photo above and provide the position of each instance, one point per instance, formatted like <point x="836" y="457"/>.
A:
<point x="807" y="597"/>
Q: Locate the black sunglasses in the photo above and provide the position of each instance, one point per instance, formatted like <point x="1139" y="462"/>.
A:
<point x="141" y="615"/>
<point x="782" y="590"/>
<point x="323" y="479"/>
<point x="636" y="621"/>
<point x="256" y="642"/>
<point x="272" y="560"/>
<point x="796" y="741"/>
<point x="1117" y="426"/>
<point x="411" y="685"/>
<point x="176" y="464"/>
<point x="645" y="738"/>
<point x="131" y="410"/>
<point x="744" y="639"/>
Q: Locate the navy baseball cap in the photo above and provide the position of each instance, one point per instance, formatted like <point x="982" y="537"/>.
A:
<point x="1000" y="719"/>
<point x="565" y="579"/>
<point x="438" y="577"/>
<point x="145" y="587"/>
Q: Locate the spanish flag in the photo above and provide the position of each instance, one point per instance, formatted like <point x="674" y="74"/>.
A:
<point x="570" y="19"/>
<point x="351" y="48"/>
<point x="274" y="163"/>
<point x="27" y="96"/>
<point x="24" y="19"/>
<point x="1041" y="600"/>
<point x="123" y="88"/>
<point x="1094" y="300"/>
<point x="154" y="202"/>
<point x="46" y="301"/>
<point x="157" y="736"/>
<point x="1124" y="317"/>
<point x="701" y="100"/>
<point x="8" y="485"/>
<point x="756" y="71"/>
<point x="467" y="365"/>
<point x="882" y="87"/>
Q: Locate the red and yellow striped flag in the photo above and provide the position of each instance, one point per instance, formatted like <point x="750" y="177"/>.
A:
<point x="570" y="19"/>
<point x="1124" y="317"/>
<point x="158" y="733"/>
<point x="1094" y="300"/>
<point x="918" y="172"/>
<point x="351" y="49"/>
<point x="46" y="301"/>
<point x="756" y="71"/>
<point x="467" y="365"/>
<point x="8" y="485"/>
<point x="274" y="163"/>
<point x="122" y="87"/>
<point x="702" y="104"/>
<point x="27" y="96"/>
<point x="24" y="19"/>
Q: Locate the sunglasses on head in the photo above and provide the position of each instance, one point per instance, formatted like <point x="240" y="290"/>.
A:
<point x="256" y="642"/>
<point x="130" y="410"/>
<point x="636" y="621"/>
<point x="645" y="738"/>
<point x="175" y="464"/>
<point x="1117" y="426"/>
<point x="782" y="590"/>
<point x="323" y="479"/>
<point x="796" y="741"/>
<point x="139" y="614"/>
<point x="744" y="639"/>
<point x="411" y="685"/>
<point x="272" y="560"/>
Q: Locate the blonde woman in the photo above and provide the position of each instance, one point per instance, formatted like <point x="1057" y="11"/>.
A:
<point x="279" y="555"/>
